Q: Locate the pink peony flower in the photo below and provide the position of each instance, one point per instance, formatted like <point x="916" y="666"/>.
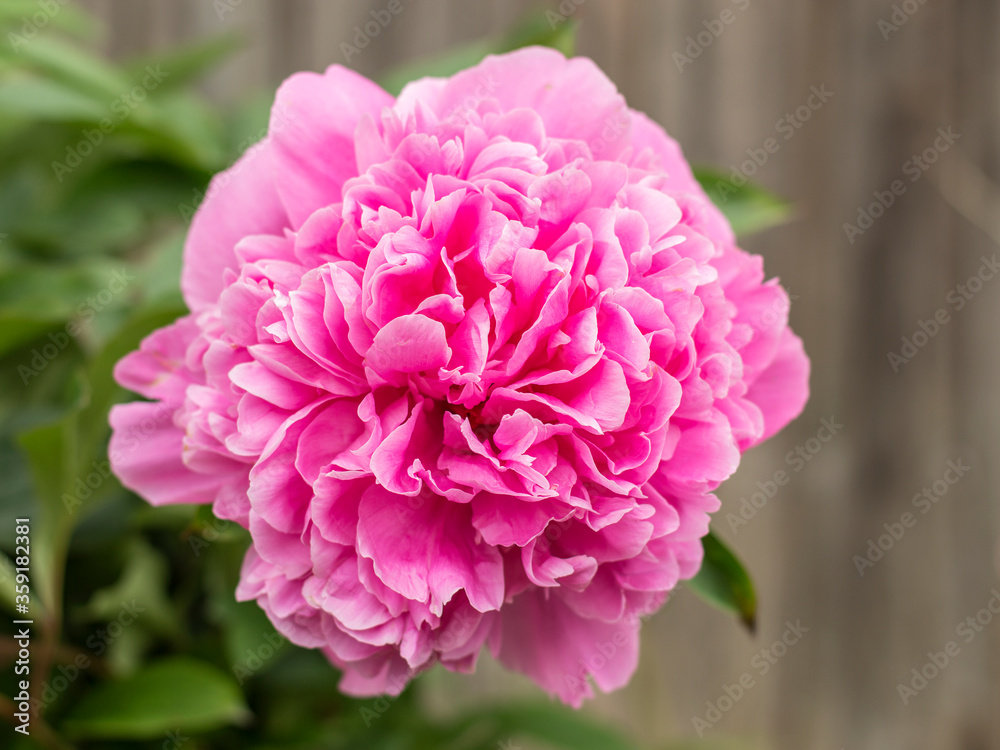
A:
<point x="468" y="365"/>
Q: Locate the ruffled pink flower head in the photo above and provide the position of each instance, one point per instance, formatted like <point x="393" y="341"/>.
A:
<point x="468" y="365"/>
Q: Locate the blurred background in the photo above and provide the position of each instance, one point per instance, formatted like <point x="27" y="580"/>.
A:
<point x="876" y="120"/>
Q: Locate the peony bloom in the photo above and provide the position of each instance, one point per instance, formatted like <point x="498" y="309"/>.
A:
<point x="468" y="365"/>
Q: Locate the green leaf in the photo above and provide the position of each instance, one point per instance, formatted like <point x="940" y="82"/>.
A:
<point x="181" y="127"/>
<point x="173" y="694"/>
<point x="40" y="99"/>
<point x="13" y="14"/>
<point x="93" y="418"/>
<point x="7" y="592"/>
<point x="144" y="581"/>
<point x="535" y="30"/>
<point x="723" y="582"/>
<point x="34" y="298"/>
<point x="554" y="725"/>
<point x="53" y="453"/>
<point x="76" y="68"/>
<point x="748" y="207"/>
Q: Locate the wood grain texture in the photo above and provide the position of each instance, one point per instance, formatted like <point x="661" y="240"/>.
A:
<point x="837" y="688"/>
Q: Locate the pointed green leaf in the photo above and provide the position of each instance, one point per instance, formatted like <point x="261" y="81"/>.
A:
<point x="748" y="207"/>
<point x="53" y="451"/>
<point x="15" y="13"/>
<point x="76" y="68"/>
<point x="37" y="98"/>
<point x="724" y="582"/>
<point x="174" y="694"/>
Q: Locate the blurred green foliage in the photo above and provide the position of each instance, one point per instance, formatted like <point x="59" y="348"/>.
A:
<point x="138" y="641"/>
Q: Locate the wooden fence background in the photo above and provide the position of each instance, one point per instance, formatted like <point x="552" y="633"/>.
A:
<point x="837" y="688"/>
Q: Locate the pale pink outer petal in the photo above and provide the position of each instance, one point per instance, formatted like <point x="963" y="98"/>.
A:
<point x="647" y="134"/>
<point x="240" y="202"/>
<point x="574" y="97"/>
<point x="312" y="129"/>
<point x="146" y="454"/>
<point x="558" y="649"/>
<point x="781" y="390"/>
